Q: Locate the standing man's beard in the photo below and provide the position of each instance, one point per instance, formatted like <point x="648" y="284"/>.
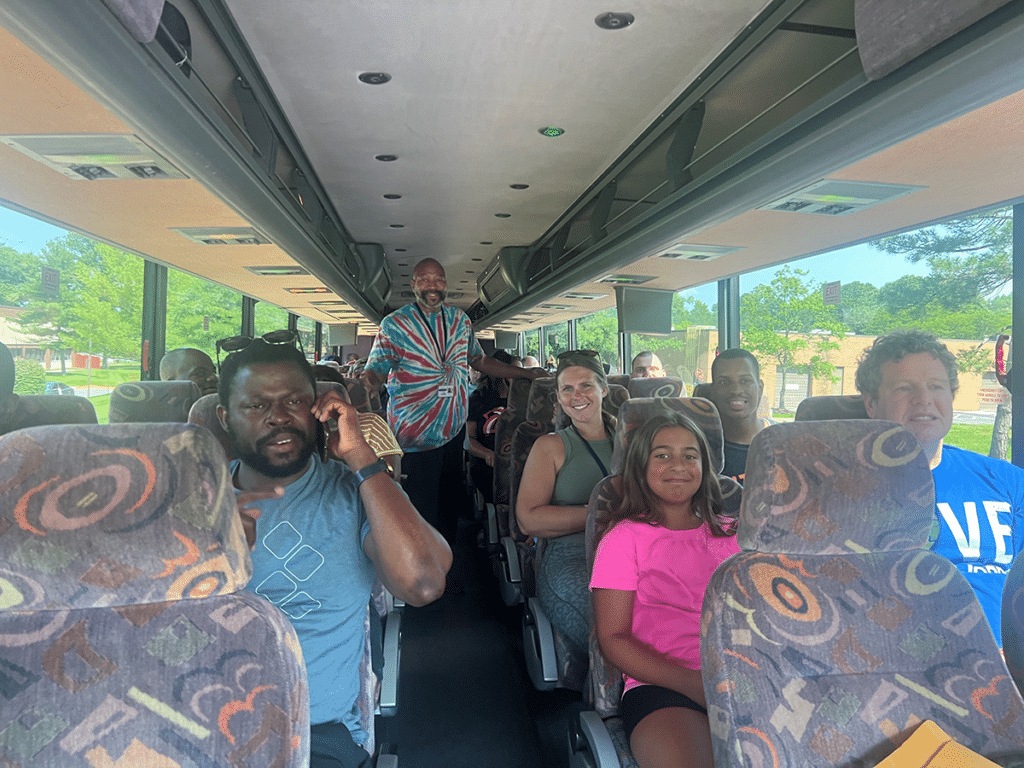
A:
<point x="257" y="461"/>
<point x="422" y="297"/>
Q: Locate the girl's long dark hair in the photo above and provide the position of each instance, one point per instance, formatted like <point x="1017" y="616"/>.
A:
<point x="638" y="500"/>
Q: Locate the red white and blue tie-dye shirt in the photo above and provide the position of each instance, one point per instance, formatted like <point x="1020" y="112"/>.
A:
<point x="407" y="351"/>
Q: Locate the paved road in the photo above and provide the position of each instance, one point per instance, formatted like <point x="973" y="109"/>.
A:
<point x="973" y="417"/>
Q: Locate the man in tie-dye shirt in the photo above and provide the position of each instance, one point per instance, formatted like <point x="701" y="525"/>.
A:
<point x="425" y="350"/>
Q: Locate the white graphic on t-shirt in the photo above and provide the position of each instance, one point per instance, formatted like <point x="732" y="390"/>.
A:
<point x="970" y="544"/>
<point x="301" y="561"/>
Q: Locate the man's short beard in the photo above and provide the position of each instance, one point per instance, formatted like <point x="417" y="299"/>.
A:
<point x="422" y="296"/>
<point x="261" y="464"/>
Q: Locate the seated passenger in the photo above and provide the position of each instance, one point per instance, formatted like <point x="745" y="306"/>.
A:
<point x="334" y="525"/>
<point x="910" y="377"/>
<point x="531" y="362"/>
<point x="560" y="473"/>
<point x="8" y="400"/>
<point x="651" y="570"/>
<point x="736" y="390"/>
<point x="485" y="406"/>
<point x="646" y="365"/>
<point x="192" y="364"/>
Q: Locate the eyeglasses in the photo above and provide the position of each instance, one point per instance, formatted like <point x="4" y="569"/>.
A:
<point x="236" y="343"/>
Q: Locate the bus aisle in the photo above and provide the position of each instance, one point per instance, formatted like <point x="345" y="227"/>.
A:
<point x="464" y="695"/>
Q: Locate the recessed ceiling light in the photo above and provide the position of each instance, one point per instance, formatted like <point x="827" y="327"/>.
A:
<point x="503" y="215"/>
<point x="486" y="242"/>
<point x="396" y="226"/>
<point x="374" y="78"/>
<point x="392" y="197"/>
<point x="475" y="259"/>
<point x="386" y="158"/>
<point x="519" y="186"/>
<point x="401" y="250"/>
<point x="625" y="279"/>
<point x="308" y="290"/>
<point x="614" y="20"/>
<point x="551" y="131"/>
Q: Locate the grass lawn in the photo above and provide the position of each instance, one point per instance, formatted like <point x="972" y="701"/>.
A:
<point x="971" y="437"/>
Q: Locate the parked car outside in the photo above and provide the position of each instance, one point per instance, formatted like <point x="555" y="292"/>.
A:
<point x="59" y="388"/>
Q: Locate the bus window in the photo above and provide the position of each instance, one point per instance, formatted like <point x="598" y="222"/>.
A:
<point x="919" y="280"/>
<point x="688" y="351"/>
<point x="600" y="331"/>
<point x="200" y="312"/>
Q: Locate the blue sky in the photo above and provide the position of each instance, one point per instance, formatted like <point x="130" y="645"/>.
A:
<point x="24" y="233"/>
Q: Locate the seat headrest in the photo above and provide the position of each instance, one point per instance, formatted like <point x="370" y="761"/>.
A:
<point x="145" y="401"/>
<point x="664" y="386"/>
<point x="636" y="410"/>
<point x="122" y="514"/>
<point x="543" y="400"/>
<point x="820" y="487"/>
<point x="519" y="394"/>
<point x="825" y="407"/>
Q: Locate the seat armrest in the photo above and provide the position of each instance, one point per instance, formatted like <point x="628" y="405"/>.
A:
<point x="492" y="526"/>
<point x="510" y="576"/>
<point x="392" y="661"/>
<point x="593" y="746"/>
<point x="539" y="646"/>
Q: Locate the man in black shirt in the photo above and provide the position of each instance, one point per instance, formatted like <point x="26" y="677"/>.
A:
<point x="736" y="390"/>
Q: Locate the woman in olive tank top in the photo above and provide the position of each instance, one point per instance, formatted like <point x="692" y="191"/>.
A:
<point x="560" y="473"/>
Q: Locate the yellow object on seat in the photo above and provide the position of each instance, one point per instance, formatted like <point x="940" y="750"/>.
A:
<point x="931" y="747"/>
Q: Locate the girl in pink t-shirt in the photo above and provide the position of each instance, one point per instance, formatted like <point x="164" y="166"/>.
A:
<point x="650" y="573"/>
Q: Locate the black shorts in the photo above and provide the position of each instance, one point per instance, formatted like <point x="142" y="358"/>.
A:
<point x="637" y="703"/>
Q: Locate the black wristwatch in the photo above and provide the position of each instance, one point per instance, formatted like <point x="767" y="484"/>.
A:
<point x="370" y="470"/>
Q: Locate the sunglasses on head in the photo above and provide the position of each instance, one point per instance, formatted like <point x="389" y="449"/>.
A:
<point x="236" y="343"/>
<point x="578" y="353"/>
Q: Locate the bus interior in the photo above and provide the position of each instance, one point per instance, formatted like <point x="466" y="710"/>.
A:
<point x="554" y="157"/>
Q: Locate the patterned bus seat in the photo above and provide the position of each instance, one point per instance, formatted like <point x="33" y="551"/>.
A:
<point x="125" y="636"/>
<point x="835" y="632"/>
<point x="152" y="401"/>
<point x="40" y="410"/>
<point x="665" y="386"/>
<point x="827" y="407"/>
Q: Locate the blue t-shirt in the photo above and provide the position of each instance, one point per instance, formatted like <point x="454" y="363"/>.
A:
<point x="979" y="525"/>
<point x="309" y="562"/>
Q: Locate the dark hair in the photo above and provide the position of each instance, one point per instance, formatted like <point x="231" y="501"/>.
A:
<point x="328" y="373"/>
<point x="638" y="500"/>
<point x="6" y="372"/>
<point x="592" y="362"/>
<point x="259" y="353"/>
<point x="735" y="353"/>
<point x="893" y="347"/>
<point x="492" y="385"/>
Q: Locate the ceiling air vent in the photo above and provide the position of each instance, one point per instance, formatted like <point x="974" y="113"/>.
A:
<point x="277" y="271"/>
<point x="693" y="252"/>
<point x="834" y="197"/>
<point x="557" y="307"/>
<point x="223" y="235"/>
<point x="584" y="296"/>
<point x="96" y="157"/>
<point x="625" y="279"/>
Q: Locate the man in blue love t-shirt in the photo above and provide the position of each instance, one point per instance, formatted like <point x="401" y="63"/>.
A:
<point x="910" y="377"/>
<point x="321" y="530"/>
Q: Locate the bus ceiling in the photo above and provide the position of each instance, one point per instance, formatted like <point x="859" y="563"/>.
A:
<point x="535" y="149"/>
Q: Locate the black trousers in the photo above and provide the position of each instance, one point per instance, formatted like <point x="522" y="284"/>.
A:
<point x="434" y="483"/>
<point x="331" y="746"/>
